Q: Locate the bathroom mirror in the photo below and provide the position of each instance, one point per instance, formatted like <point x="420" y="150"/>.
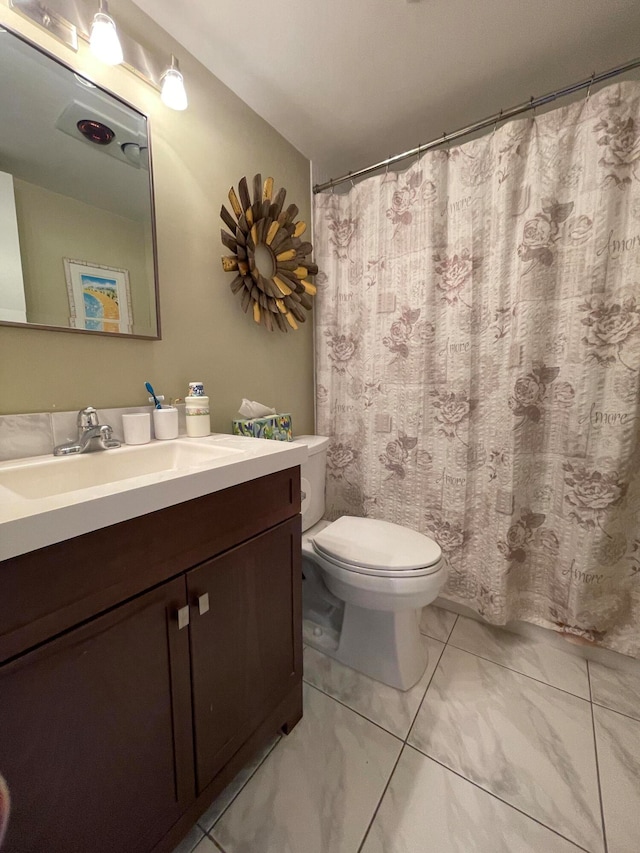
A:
<point x="77" y="236"/>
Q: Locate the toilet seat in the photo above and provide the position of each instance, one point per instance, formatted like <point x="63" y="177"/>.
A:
<point x="372" y="547"/>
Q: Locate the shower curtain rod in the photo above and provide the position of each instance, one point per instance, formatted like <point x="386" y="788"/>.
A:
<point x="480" y="125"/>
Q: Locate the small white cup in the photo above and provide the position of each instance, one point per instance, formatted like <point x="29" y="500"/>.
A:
<point x="136" y="428"/>
<point x="165" y="422"/>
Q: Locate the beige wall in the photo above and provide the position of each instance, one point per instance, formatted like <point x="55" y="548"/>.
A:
<point x="52" y="227"/>
<point x="197" y="156"/>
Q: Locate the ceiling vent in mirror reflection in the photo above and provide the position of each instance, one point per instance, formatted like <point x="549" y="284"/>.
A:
<point x="77" y="115"/>
<point x="95" y="131"/>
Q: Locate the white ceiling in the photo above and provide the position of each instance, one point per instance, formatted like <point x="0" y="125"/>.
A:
<point x="350" y="82"/>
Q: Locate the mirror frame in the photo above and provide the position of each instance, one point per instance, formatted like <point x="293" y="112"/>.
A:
<point x="154" y="238"/>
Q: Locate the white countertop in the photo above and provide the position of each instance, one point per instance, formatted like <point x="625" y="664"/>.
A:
<point x="28" y="523"/>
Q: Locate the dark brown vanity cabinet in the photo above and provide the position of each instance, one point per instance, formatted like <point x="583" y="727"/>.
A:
<point x="93" y="720"/>
<point x="116" y="732"/>
<point x="243" y="649"/>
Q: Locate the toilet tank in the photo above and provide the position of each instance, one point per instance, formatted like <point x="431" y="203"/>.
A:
<point x="312" y="474"/>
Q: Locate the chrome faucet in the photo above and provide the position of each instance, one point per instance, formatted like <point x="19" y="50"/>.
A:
<point x="91" y="435"/>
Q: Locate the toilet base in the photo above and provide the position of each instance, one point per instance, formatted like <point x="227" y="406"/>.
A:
<point x="385" y="645"/>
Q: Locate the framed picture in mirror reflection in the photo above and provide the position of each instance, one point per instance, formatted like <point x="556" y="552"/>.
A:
<point x="99" y="297"/>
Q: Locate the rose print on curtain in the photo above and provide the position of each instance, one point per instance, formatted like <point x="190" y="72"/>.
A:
<point x="402" y="333"/>
<point x="540" y="234"/>
<point x="526" y="534"/>
<point x="453" y="273"/>
<point x="538" y="390"/>
<point x="591" y="494"/>
<point x="402" y="200"/>
<point x="478" y="363"/>
<point x="618" y="134"/>
<point x="341" y="350"/>
<point x="452" y="411"/>
<point x="609" y="327"/>
<point x="396" y="455"/>
<point x="342" y="232"/>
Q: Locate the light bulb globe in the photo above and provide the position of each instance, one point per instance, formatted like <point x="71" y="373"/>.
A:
<point x="173" y="93"/>
<point x="104" y="42"/>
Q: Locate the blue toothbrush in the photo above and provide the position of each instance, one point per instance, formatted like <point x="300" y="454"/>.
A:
<point x="149" y="388"/>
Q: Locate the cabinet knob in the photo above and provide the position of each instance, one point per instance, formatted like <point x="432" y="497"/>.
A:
<point x="203" y="603"/>
<point x="183" y="617"/>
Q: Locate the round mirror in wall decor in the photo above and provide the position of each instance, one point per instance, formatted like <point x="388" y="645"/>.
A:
<point x="269" y="257"/>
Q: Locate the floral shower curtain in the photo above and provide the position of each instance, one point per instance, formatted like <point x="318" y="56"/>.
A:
<point x="478" y="363"/>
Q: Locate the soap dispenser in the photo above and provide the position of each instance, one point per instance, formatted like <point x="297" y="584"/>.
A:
<point x="197" y="411"/>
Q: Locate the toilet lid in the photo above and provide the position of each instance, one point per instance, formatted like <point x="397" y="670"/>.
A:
<point x="373" y="544"/>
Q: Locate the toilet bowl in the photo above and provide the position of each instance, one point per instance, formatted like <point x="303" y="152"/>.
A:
<point x="380" y="575"/>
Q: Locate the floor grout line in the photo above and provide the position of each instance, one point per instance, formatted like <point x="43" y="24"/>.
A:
<point x="595" y="749"/>
<point x="362" y="714"/>
<point x="415" y="716"/>
<point x="496" y="797"/>
<point x="455" y="622"/>
<point x="517" y="672"/>
<point x="405" y="743"/>
<point x="431" y="637"/>
<point x="615" y="711"/>
<point x="377" y="808"/>
<point x="439" y="639"/>
<point x="239" y="791"/>
<point x="349" y="708"/>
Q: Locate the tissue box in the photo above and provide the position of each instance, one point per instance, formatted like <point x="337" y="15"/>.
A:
<point x="277" y="427"/>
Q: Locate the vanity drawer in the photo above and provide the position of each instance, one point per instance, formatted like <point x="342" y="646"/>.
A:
<point x="47" y="591"/>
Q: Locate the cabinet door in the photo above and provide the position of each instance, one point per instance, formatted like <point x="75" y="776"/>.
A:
<point x="246" y="649"/>
<point x="95" y="732"/>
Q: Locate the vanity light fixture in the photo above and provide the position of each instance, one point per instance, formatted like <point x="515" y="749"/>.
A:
<point x="104" y="41"/>
<point x="173" y="92"/>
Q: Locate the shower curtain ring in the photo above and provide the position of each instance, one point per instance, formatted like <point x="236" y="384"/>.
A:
<point x="589" y="86"/>
<point x="352" y="183"/>
<point x="495" y="124"/>
<point x="333" y="189"/>
<point x="386" y="170"/>
<point x="418" y="153"/>
<point x="532" y="107"/>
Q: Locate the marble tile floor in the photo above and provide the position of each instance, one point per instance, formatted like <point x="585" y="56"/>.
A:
<point x="506" y="745"/>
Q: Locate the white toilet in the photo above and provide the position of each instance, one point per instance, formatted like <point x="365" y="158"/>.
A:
<point x="366" y="582"/>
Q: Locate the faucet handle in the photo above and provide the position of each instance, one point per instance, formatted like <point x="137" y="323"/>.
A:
<point x="87" y="418"/>
<point x="106" y="437"/>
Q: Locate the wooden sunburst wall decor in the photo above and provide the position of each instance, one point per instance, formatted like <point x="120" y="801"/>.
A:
<point x="268" y="255"/>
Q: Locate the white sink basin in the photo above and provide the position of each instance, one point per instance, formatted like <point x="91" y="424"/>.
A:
<point x="48" y="499"/>
<point x="49" y="476"/>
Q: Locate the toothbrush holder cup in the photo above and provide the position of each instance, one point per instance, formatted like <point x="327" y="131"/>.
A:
<point x="136" y="427"/>
<point x="165" y="423"/>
